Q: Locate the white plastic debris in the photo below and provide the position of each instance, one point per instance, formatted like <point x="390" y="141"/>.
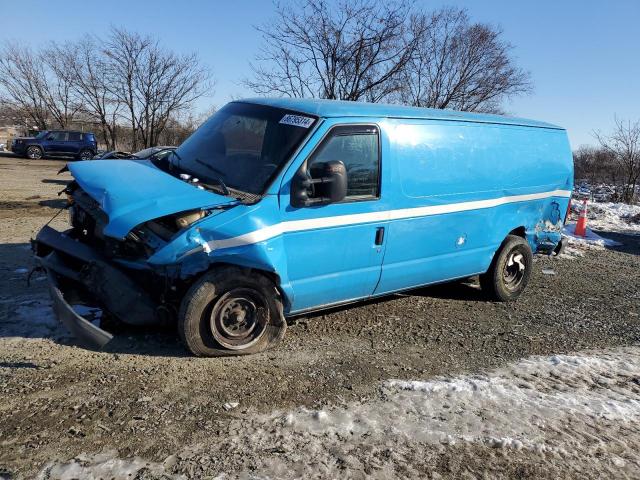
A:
<point x="230" y="405"/>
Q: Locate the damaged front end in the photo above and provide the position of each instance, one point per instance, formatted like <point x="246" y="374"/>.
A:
<point x="86" y="278"/>
<point x="88" y="267"/>
<point x="80" y="275"/>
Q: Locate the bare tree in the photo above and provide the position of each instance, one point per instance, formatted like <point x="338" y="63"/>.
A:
<point x="166" y="85"/>
<point x="354" y="50"/>
<point x="124" y="51"/>
<point x="624" y="145"/>
<point x="35" y="84"/>
<point x="56" y="89"/>
<point x="179" y="127"/>
<point x="367" y="50"/>
<point x="152" y="83"/>
<point x="86" y="68"/>
<point x="21" y="75"/>
<point x="460" y="65"/>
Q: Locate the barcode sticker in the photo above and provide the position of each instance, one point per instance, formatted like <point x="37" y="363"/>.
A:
<point x="297" y="121"/>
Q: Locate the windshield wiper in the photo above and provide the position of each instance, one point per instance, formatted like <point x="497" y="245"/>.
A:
<point x="216" y="179"/>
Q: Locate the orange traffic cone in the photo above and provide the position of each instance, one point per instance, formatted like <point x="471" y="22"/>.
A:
<point x="581" y="226"/>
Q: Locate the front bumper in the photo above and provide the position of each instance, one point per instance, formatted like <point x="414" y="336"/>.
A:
<point x="85" y="331"/>
<point x="18" y="148"/>
<point x="79" y="275"/>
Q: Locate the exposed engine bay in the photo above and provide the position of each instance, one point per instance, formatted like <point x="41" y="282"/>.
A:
<point x="88" y="220"/>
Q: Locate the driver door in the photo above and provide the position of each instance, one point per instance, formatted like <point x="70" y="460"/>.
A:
<point x="55" y="142"/>
<point x="334" y="252"/>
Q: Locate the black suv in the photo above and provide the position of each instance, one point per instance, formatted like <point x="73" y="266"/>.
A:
<point x="81" y="145"/>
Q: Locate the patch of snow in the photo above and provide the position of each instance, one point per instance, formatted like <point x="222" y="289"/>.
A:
<point x="105" y="465"/>
<point x="567" y="405"/>
<point x="612" y="217"/>
<point x="580" y="411"/>
<point x="525" y="402"/>
<point x="617" y="217"/>
<point x="590" y="240"/>
<point x="32" y="318"/>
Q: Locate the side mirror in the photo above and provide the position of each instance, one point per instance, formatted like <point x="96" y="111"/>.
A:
<point x="327" y="183"/>
<point x="49" y="138"/>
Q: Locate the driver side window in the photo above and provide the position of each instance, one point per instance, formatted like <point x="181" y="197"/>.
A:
<point x="358" y="148"/>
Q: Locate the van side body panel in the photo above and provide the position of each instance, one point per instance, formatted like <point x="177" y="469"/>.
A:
<point x="452" y="166"/>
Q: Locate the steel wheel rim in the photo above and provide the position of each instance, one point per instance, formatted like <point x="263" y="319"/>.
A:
<point x="514" y="270"/>
<point x="238" y="318"/>
<point x="34" y="153"/>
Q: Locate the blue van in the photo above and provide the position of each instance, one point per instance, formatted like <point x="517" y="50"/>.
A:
<point x="275" y="207"/>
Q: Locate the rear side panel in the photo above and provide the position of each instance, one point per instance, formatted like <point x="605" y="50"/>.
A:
<point x="469" y="186"/>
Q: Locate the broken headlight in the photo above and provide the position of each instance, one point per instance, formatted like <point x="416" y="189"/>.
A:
<point x="185" y="219"/>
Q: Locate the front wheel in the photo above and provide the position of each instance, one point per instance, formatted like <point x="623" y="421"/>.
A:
<point x="34" y="153"/>
<point x="510" y="270"/>
<point x="231" y="311"/>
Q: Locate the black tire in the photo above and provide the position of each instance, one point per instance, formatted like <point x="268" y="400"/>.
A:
<point x="510" y="270"/>
<point x="85" y="154"/>
<point x="231" y="311"/>
<point x="34" y="152"/>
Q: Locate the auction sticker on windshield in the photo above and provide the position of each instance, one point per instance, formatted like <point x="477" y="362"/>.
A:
<point x="297" y="121"/>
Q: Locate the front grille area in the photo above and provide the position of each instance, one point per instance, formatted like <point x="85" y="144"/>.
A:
<point x="87" y="218"/>
<point x="88" y="221"/>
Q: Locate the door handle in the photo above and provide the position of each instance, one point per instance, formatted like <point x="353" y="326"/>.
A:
<point x="379" y="235"/>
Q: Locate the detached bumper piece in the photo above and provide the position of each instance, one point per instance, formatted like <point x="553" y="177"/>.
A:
<point x="79" y="275"/>
<point x="85" y="331"/>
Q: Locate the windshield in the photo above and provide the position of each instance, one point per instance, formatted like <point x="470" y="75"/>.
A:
<point x="147" y="152"/>
<point x="41" y="134"/>
<point x="243" y="145"/>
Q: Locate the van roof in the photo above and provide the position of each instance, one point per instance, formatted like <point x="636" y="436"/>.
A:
<point x="341" y="108"/>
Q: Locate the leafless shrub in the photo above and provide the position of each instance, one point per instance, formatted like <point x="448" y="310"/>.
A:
<point x="623" y="143"/>
<point x="595" y="165"/>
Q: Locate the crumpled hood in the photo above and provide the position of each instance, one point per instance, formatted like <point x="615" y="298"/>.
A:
<point x="133" y="192"/>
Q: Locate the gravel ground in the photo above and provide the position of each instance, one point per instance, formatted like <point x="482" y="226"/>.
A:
<point x="146" y="409"/>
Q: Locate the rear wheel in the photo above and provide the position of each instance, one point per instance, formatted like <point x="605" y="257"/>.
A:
<point x="510" y="270"/>
<point x="34" y="152"/>
<point x="231" y="311"/>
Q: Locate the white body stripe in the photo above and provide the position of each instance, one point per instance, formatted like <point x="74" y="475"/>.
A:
<point x="341" y="220"/>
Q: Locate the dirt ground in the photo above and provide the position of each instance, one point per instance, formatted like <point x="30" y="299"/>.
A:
<point x="146" y="407"/>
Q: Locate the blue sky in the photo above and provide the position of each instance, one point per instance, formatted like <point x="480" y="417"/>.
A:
<point x="583" y="55"/>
